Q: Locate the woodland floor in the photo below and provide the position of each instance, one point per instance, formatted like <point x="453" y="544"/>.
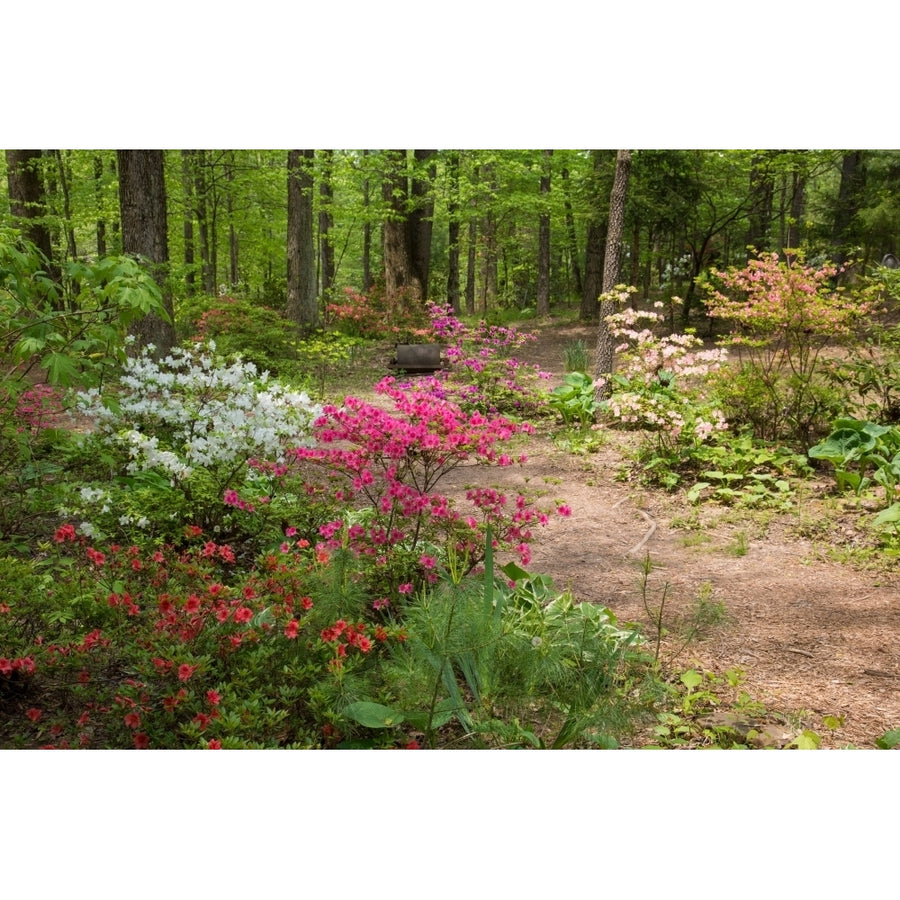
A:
<point x="814" y="636"/>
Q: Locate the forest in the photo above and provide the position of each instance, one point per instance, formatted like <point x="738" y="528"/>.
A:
<point x="484" y="231"/>
<point x="232" y="518"/>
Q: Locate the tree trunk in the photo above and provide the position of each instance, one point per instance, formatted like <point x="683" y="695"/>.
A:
<point x="302" y="304"/>
<point x="399" y="264"/>
<point x="65" y="177"/>
<point x="603" y="365"/>
<point x="470" y="267"/>
<point x="198" y="158"/>
<point x="573" y="239"/>
<point x="27" y="201"/>
<point x="367" y="238"/>
<point x="98" y="194"/>
<point x="596" y="244"/>
<point x="326" y="223"/>
<point x="142" y="202"/>
<point x="187" y="185"/>
<point x="421" y="218"/>
<point x="232" y="232"/>
<point x="543" y="276"/>
<point x="848" y="202"/>
<point x="762" y="192"/>
<point x="453" y="234"/>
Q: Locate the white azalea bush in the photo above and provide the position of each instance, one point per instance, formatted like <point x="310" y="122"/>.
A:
<point x="180" y="436"/>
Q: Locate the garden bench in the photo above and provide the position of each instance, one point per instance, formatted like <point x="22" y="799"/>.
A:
<point x="418" y="359"/>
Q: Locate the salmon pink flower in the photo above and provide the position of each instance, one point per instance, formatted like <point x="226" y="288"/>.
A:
<point x="185" y="671"/>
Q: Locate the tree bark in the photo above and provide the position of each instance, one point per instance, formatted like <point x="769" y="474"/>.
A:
<point x="27" y="201"/>
<point x="142" y="204"/>
<point x="603" y="364"/>
<point x="98" y="194"/>
<point x="848" y="202"/>
<point x="595" y="249"/>
<point x="573" y="239"/>
<point x="543" y="267"/>
<point x="302" y="303"/>
<point x="187" y="186"/>
<point x="326" y="223"/>
<point x="453" y="297"/>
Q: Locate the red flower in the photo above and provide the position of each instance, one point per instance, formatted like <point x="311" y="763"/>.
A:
<point x="185" y="671"/>
<point x="64" y="533"/>
<point x="243" y="614"/>
<point x="202" y="720"/>
<point x="214" y="744"/>
<point x="306" y="602"/>
<point x="214" y="697"/>
<point x="95" y="556"/>
<point x="34" y="714"/>
<point x="141" y="741"/>
<point x="192" y="604"/>
<point x="412" y="745"/>
<point x="133" y="720"/>
<point x="291" y="629"/>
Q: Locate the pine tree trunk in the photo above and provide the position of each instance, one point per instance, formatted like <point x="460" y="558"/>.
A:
<point x="142" y="204"/>
<point x="302" y="304"/>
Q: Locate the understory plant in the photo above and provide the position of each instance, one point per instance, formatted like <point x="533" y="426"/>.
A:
<point x="383" y="468"/>
<point x="783" y="314"/>
<point x="658" y="388"/>
<point x="178" y="436"/>
<point x="485" y="372"/>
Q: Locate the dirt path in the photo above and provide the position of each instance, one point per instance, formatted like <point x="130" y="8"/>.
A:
<point x="813" y="637"/>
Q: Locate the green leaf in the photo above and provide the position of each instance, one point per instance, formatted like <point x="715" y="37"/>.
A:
<point x="373" y="715"/>
<point x="691" y="679"/>
<point x="889" y="739"/>
<point x="889" y="516"/>
<point x="807" y="740"/>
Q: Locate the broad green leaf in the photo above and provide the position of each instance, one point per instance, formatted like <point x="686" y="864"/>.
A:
<point x="691" y="679"/>
<point x="888" y="516"/>
<point x="889" y="740"/>
<point x="373" y="715"/>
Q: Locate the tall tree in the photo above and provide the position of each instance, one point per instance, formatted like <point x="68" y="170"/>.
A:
<point x="302" y="303"/>
<point x="543" y="268"/>
<point x="453" y="293"/>
<point x="570" y="232"/>
<point x="326" y="223"/>
<point x="27" y="200"/>
<point x="142" y="203"/>
<point x="603" y="362"/>
<point x="850" y="193"/>
<point x="596" y="239"/>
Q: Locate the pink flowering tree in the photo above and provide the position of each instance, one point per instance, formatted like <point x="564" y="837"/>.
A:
<point x="783" y="316"/>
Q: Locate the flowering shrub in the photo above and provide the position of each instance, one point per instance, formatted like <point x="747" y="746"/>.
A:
<point x="379" y="314"/>
<point x="783" y="314"/>
<point x="655" y="386"/>
<point x="182" y="431"/>
<point x="386" y="467"/>
<point x="485" y="372"/>
<point x="121" y="648"/>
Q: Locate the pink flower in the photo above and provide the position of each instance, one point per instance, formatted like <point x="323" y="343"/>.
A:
<point x="564" y="509"/>
<point x="214" y="697"/>
<point x="406" y="588"/>
<point x="427" y="562"/>
<point x="185" y="671"/>
<point x="291" y="629"/>
<point x="243" y="614"/>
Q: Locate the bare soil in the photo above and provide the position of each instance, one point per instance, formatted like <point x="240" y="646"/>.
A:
<point x="814" y="636"/>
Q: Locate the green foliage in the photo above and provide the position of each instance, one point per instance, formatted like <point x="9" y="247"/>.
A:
<point x="73" y="330"/>
<point x="574" y="399"/>
<point x="577" y="357"/>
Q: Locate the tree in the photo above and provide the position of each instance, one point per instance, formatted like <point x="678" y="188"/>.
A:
<point x="27" y="201"/>
<point x="302" y="303"/>
<point x="326" y="224"/>
<point x="407" y="226"/>
<point x="603" y="363"/>
<point x="543" y="281"/>
<point x="142" y="204"/>
<point x="453" y="294"/>
<point x="596" y="239"/>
